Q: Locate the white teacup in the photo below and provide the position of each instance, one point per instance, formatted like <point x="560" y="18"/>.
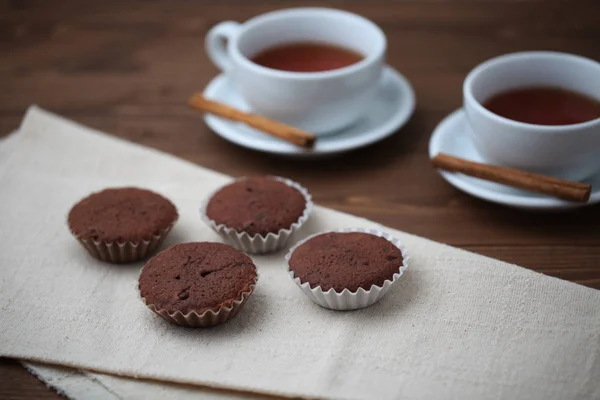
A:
<point x="318" y="102"/>
<point x="565" y="151"/>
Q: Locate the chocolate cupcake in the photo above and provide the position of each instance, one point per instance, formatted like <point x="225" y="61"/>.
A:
<point x="197" y="284"/>
<point x="347" y="269"/>
<point x="258" y="215"/>
<point x="121" y="225"/>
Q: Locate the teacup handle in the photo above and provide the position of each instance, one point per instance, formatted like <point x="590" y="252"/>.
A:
<point x="216" y="43"/>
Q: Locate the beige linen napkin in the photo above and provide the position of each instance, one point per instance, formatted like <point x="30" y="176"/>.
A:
<point x="86" y="385"/>
<point x="457" y="325"/>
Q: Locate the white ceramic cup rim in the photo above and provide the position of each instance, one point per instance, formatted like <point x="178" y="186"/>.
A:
<point x="508" y="58"/>
<point x="369" y="59"/>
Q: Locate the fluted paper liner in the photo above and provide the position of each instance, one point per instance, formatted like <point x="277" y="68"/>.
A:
<point x="208" y="318"/>
<point x="258" y="244"/>
<point x="348" y="300"/>
<point x="123" y="252"/>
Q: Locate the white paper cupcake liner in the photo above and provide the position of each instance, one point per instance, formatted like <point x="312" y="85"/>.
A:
<point x="258" y="244"/>
<point x="126" y="252"/>
<point x="208" y="318"/>
<point x="347" y="300"/>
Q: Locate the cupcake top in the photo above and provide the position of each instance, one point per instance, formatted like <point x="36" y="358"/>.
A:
<point x="256" y="206"/>
<point x="196" y="277"/>
<point x="121" y="215"/>
<point x="346" y="260"/>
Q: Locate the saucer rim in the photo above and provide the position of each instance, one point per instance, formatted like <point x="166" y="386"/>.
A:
<point x="397" y="120"/>
<point x="444" y="127"/>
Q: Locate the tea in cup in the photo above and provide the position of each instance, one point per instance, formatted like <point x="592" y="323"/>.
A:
<point x="537" y="111"/>
<point x="313" y="68"/>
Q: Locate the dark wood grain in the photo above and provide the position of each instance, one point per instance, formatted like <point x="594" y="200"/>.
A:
<point x="128" y="68"/>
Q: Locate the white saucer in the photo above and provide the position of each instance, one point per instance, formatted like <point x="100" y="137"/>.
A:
<point x="393" y="106"/>
<point x="451" y="136"/>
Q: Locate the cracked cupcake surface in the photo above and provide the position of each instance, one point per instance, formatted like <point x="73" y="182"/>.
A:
<point x="121" y="215"/>
<point x="196" y="277"/>
<point x="346" y="260"/>
<point x="257" y="206"/>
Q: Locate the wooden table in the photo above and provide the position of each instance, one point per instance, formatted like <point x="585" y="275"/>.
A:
<point x="128" y="67"/>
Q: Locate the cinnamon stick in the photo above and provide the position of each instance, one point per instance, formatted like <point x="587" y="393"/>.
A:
<point x="559" y="188"/>
<point x="288" y="133"/>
